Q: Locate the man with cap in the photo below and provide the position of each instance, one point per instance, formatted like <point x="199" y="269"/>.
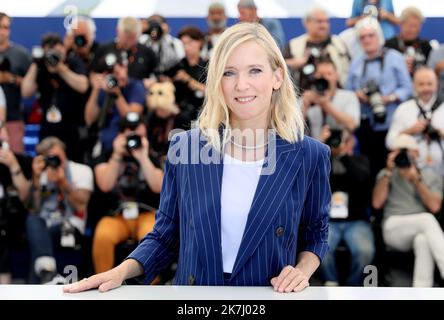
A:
<point x="248" y="13"/>
<point x="410" y="197"/>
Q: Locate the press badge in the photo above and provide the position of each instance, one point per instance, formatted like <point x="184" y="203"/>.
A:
<point x="53" y="115"/>
<point x="68" y="240"/>
<point x="339" y="205"/>
<point x="130" y="211"/>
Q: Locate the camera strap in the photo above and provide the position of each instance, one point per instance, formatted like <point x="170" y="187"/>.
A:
<point x="424" y="113"/>
<point x="379" y="58"/>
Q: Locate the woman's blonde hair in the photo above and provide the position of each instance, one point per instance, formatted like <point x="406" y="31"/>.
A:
<point x="286" y="116"/>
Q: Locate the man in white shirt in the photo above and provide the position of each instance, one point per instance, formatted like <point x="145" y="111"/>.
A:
<point x="423" y="118"/>
<point x="60" y="194"/>
<point x="326" y="107"/>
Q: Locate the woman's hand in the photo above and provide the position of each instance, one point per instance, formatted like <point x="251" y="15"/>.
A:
<point x="290" y="279"/>
<point x="103" y="281"/>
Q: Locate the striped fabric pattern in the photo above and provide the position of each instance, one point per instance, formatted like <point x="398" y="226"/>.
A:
<point x="289" y="214"/>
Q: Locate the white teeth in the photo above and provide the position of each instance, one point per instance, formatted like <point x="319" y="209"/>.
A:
<point x="247" y="99"/>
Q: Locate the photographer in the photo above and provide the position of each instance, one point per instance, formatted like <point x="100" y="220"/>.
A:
<point x="14" y="63"/>
<point x="142" y="61"/>
<point x="61" y="83"/>
<point x="59" y="198"/>
<point x="381" y="81"/>
<point x="80" y="40"/>
<point x="378" y="9"/>
<point x="349" y="219"/>
<point x="168" y="49"/>
<point x="423" y="118"/>
<point x="15" y="176"/>
<point x="133" y="179"/>
<point x="415" y="50"/>
<point x="113" y="95"/>
<point x="189" y="75"/>
<point x="304" y="51"/>
<point x="410" y="197"/>
<point x="327" y="105"/>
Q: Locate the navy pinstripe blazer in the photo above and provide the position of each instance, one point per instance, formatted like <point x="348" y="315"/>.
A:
<point x="289" y="214"/>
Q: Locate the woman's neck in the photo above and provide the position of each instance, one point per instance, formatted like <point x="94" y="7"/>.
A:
<point x="193" y="60"/>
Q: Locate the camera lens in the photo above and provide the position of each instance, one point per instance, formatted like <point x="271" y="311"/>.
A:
<point x="53" y="161"/>
<point x="80" y="40"/>
<point x="402" y="160"/>
<point x="320" y="85"/>
<point x="52" y="58"/>
<point x="133" y="142"/>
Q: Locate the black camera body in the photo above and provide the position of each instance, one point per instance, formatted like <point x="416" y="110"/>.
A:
<point x="111" y="81"/>
<point x="320" y="85"/>
<point x="335" y="138"/>
<point x="154" y="31"/>
<point x="80" y="41"/>
<point x="52" y="161"/>
<point x="373" y="93"/>
<point x="133" y="141"/>
<point x="52" y="58"/>
<point x="403" y="160"/>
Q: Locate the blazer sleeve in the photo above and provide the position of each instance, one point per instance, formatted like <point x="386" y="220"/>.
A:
<point x="160" y="247"/>
<point x="313" y="228"/>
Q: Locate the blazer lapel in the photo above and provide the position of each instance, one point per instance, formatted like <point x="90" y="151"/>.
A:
<point x="205" y="190"/>
<point x="270" y="193"/>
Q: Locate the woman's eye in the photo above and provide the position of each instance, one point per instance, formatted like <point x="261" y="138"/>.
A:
<point x="255" y="70"/>
<point x="228" y="73"/>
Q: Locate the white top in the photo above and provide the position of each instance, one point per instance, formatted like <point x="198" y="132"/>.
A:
<point x="405" y="116"/>
<point x="239" y="183"/>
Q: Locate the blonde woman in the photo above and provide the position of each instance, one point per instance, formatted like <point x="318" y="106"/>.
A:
<point x="245" y="196"/>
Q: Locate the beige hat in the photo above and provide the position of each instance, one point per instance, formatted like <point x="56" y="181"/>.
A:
<point x="405" y="141"/>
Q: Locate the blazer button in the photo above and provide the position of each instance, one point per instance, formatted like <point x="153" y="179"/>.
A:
<point x="279" y="231"/>
<point x="191" y="280"/>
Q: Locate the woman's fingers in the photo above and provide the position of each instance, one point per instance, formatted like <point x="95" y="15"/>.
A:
<point x="290" y="279"/>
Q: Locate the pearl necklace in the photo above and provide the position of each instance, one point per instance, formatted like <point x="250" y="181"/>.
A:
<point x="248" y="147"/>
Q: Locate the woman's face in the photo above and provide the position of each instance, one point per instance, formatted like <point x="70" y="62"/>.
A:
<point x="248" y="82"/>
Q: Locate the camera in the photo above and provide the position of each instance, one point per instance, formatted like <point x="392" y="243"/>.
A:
<point x="154" y="30"/>
<point x="375" y="100"/>
<point x="128" y="183"/>
<point x="52" y="58"/>
<point x="335" y="138"/>
<point x="5" y="64"/>
<point x="133" y="141"/>
<point x="402" y="160"/>
<point x="131" y="121"/>
<point x="53" y="161"/>
<point x="111" y="81"/>
<point x="418" y="58"/>
<point x="431" y="133"/>
<point x="320" y="85"/>
<point x="80" y="40"/>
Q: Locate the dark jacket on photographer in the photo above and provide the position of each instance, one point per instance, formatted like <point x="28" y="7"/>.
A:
<point x="131" y="186"/>
<point x="62" y="106"/>
<point x="347" y="173"/>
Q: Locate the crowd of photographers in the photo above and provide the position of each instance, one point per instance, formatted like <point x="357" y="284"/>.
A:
<point x="375" y="97"/>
